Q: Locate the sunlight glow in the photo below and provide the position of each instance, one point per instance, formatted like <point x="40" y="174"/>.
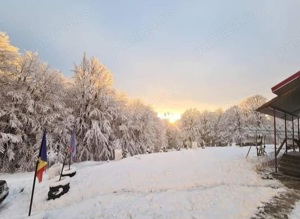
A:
<point x="171" y="117"/>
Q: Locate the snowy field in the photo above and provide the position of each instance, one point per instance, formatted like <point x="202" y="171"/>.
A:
<point x="197" y="183"/>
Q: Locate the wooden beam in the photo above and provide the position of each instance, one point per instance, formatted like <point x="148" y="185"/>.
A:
<point x="280" y="147"/>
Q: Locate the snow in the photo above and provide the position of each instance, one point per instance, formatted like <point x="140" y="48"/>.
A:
<point x="54" y="170"/>
<point x="62" y="182"/>
<point x="216" y="182"/>
<point x="296" y="211"/>
<point x="118" y="154"/>
<point x="68" y="171"/>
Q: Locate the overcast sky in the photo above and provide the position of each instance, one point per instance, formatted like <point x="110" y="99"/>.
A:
<point x="173" y="54"/>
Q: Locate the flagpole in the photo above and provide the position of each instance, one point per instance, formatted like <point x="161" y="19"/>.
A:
<point x="70" y="151"/>
<point x="62" y="167"/>
<point x="34" y="179"/>
<point x="33" y="186"/>
<point x="71" y="147"/>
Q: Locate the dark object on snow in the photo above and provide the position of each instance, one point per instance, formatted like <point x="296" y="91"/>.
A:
<point x="4" y="190"/>
<point x="148" y="150"/>
<point x="124" y="153"/>
<point x="248" y="143"/>
<point x="59" y="188"/>
<point x="69" y="172"/>
<point x="261" y="145"/>
<point x="164" y="149"/>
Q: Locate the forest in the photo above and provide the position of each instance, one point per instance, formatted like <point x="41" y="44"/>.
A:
<point x="35" y="97"/>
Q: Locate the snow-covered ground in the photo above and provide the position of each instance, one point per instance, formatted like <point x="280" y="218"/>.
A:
<point x="296" y="212"/>
<point x="213" y="183"/>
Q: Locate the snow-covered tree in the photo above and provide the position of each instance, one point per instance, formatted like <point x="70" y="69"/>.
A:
<point x="206" y="127"/>
<point x="8" y="57"/>
<point x="248" y="108"/>
<point x="231" y="125"/>
<point x="33" y="102"/>
<point x="142" y="130"/>
<point x="190" y="127"/>
<point x="201" y="127"/>
<point x="213" y="124"/>
<point x="95" y="107"/>
<point x="173" y="136"/>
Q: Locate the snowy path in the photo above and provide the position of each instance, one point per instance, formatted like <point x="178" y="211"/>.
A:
<point x="209" y="183"/>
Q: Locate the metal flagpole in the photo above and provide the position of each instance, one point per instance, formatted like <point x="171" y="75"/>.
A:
<point x="34" y="179"/>
<point x="63" y="167"/>
<point x="33" y="186"/>
<point x="70" y="161"/>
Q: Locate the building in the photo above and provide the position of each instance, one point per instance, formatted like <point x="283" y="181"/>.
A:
<point x="286" y="106"/>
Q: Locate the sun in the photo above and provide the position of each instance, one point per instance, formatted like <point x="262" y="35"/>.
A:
<point x="171" y="117"/>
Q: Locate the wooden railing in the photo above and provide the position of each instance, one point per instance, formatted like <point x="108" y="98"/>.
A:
<point x="280" y="147"/>
<point x="297" y="141"/>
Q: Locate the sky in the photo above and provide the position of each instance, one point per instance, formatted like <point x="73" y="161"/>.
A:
<point x="171" y="54"/>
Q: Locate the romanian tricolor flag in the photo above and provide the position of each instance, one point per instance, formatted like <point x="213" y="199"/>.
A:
<point x="42" y="159"/>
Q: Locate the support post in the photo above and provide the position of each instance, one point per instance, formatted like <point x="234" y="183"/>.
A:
<point x="285" y="131"/>
<point x="274" y="112"/>
<point x="256" y="143"/>
<point x="248" y="151"/>
<point x="293" y="129"/>
<point x="298" y="135"/>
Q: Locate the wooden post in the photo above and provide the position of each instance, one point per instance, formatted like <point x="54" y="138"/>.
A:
<point x="256" y="143"/>
<point x="248" y="151"/>
<point x="274" y="112"/>
<point x="298" y="129"/>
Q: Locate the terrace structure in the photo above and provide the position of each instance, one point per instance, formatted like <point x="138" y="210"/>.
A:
<point x="286" y="106"/>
